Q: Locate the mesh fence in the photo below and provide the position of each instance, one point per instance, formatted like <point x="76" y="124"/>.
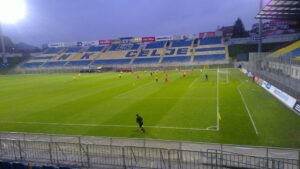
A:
<point x="133" y="67"/>
<point x="278" y="71"/>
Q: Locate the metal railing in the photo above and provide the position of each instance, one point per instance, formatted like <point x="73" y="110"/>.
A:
<point x="108" y="152"/>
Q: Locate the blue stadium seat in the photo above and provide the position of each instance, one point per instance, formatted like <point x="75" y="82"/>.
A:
<point x="182" y="43"/>
<point x="5" y="165"/>
<point x="129" y="46"/>
<point x="145" y="60"/>
<point x="78" y="63"/>
<point x="176" y="59"/>
<point x="86" y="56"/>
<point x="111" y="62"/>
<point x="95" y="48"/>
<point x="4" y="65"/>
<point x="156" y="45"/>
<point x="73" y="50"/>
<point x="32" y="64"/>
<point x="64" y="57"/>
<point x="200" y="58"/>
<point x="209" y="49"/>
<point x="52" y="50"/>
<point x="19" y="166"/>
<point x="114" y="47"/>
<point x="36" y="167"/>
<point x="42" y="58"/>
<point x="55" y="64"/>
<point x="49" y="167"/>
<point x="210" y="41"/>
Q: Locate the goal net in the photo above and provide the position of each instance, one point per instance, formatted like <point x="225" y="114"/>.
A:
<point x="223" y="76"/>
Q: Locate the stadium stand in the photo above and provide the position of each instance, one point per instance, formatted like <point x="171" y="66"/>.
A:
<point x="210" y="49"/>
<point x="210" y="41"/>
<point x="146" y="60"/>
<point x="42" y="58"/>
<point x="53" y="50"/>
<point x="55" y="64"/>
<point x="130" y="46"/>
<point x="73" y="50"/>
<point x="95" y="49"/>
<point x="112" y="55"/>
<point x="180" y="51"/>
<point x="32" y="64"/>
<point x="182" y="43"/>
<point x="78" y="63"/>
<point x="63" y="57"/>
<point x="86" y="56"/>
<point x="156" y="45"/>
<point x="111" y="62"/>
<point x="74" y="56"/>
<point x="290" y="52"/>
<point x="200" y="58"/>
<point x="175" y="59"/>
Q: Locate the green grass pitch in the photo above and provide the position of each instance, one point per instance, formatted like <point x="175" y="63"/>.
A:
<point x="181" y="109"/>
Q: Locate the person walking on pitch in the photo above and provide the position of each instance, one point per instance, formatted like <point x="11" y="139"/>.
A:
<point x="140" y="122"/>
<point x="206" y="77"/>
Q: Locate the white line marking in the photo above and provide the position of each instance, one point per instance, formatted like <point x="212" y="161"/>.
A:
<point x="107" y="125"/>
<point x="194" y="81"/>
<point x="170" y="98"/>
<point x="218" y="125"/>
<point x="248" y="111"/>
<point x="211" y="128"/>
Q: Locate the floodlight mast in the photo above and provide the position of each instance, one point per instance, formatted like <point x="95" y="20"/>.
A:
<point x="2" y="43"/>
<point x="260" y="29"/>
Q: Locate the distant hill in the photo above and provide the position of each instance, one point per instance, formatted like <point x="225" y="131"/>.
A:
<point x="24" y="47"/>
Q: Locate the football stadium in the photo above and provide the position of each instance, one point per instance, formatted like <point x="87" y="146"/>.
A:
<point x="202" y="100"/>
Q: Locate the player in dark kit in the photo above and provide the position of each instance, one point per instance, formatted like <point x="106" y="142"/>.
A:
<point x="139" y="120"/>
<point x="206" y="77"/>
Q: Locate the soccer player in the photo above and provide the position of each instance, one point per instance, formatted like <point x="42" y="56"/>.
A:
<point x="166" y="77"/>
<point x="137" y="76"/>
<point x="120" y="75"/>
<point x="184" y="74"/>
<point x="156" y="79"/>
<point x="206" y="77"/>
<point x="140" y="122"/>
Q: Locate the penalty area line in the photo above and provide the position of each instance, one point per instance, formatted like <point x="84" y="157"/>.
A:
<point x="108" y="125"/>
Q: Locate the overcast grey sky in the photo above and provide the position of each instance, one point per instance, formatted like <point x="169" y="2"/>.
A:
<point x="79" y="20"/>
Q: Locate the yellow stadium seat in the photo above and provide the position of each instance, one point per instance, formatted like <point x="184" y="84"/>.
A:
<point x="285" y="50"/>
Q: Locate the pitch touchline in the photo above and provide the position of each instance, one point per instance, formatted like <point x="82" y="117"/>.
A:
<point x="108" y="125"/>
<point x="248" y="111"/>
